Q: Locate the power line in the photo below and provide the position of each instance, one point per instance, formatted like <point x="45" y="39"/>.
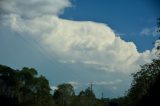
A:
<point x="40" y="49"/>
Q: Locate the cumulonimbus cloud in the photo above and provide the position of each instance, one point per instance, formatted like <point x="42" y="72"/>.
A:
<point x="90" y="43"/>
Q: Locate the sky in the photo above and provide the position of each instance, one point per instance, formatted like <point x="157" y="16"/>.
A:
<point x="80" y="41"/>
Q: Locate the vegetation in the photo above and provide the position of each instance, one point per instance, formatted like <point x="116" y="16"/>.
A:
<point x="26" y="88"/>
<point x="143" y="82"/>
<point x="64" y="95"/>
<point x="23" y="88"/>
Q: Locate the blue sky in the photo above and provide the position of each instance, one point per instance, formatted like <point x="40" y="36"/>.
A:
<point x="74" y="41"/>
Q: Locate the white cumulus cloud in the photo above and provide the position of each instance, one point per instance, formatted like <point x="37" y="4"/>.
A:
<point x="85" y="42"/>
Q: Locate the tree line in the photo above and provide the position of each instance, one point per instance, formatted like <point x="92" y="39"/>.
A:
<point x="26" y="88"/>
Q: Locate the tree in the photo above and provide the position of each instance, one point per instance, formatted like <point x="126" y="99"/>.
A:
<point x="143" y="81"/>
<point x="23" y="88"/>
<point x="64" y="94"/>
<point x="87" y="98"/>
<point x="153" y="96"/>
<point x="8" y="88"/>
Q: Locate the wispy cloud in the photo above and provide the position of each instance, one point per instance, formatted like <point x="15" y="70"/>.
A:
<point x="114" y="82"/>
<point x="149" y="32"/>
<point x="53" y="88"/>
<point x="74" y="84"/>
<point x="67" y="61"/>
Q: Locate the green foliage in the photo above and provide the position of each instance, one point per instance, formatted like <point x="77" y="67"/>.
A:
<point x="64" y="95"/>
<point x="100" y="103"/>
<point x="87" y="98"/>
<point x="143" y="81"/>
<point x="23" y="88"/>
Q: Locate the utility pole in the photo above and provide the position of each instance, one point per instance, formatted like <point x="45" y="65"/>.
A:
<point x="102" y="96"/>
<point x="91" y="86"/>
<point x="92" y="99"/>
